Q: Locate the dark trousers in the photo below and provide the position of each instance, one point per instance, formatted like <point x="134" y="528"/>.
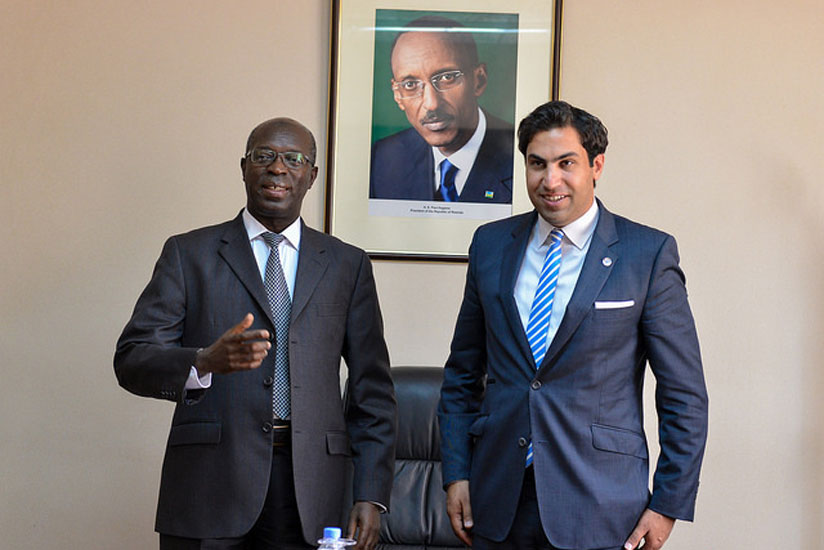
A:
<point x="527" y="533"/>
<point x="278" y="526"/>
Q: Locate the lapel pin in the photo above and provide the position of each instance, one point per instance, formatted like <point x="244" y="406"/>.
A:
<point x="489" y="194"/>
<point x="607" y="261"/>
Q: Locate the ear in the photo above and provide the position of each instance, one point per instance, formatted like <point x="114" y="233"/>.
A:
<point x="397" y="96"/>
<point x="243" y="167"/>
<point x="313" y="176"/>
<point x="480" y="79"/>
<point x="597" y="166"/>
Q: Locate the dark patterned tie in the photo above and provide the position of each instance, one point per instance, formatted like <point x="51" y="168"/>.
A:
<point x="281" y="306"/>
<point x="447" y="191"/>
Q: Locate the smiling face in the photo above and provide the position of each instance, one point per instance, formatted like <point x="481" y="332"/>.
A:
<point x="274" y="193"/>
<point x="444" y="119"/>
<point x="559" y="179"/>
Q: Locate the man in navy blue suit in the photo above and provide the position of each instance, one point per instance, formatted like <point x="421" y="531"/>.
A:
<point x="541" y="407"/>
<point x="454" y="151"/>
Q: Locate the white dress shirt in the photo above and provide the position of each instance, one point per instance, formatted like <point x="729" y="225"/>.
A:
<point x="288" y="250"/>
<point x="463" y="158"/>
<point x="574" y="247"/>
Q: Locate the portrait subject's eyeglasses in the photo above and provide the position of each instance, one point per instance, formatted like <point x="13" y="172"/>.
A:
<point x="413" y="87"/>
<point x="260" y="156"/>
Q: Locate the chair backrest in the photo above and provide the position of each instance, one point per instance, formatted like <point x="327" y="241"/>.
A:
<point x="418" y="509"/>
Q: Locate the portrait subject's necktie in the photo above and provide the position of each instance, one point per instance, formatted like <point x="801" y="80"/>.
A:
<point x="281" y="305"/>
<point x="538" y="324"/>
<point x="447" y="190"/>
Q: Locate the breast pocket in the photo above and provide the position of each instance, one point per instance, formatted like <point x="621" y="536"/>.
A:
<point x="330" y="310"/>
<point x="607" y="311"/>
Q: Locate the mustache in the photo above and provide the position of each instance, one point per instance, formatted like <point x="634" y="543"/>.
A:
<point x="435" y="116"/>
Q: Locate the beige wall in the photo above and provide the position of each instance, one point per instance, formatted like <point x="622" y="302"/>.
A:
<point x="122" y="123"/>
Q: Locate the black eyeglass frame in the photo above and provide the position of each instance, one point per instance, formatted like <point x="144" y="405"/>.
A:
<point x="299" y="161"/>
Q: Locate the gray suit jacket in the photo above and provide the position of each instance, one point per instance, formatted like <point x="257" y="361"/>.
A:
<point x="581" y="407"/>
<point x="218" y="455"/>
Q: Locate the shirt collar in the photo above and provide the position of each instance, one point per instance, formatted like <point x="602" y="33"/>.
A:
<point x="577" y="232"/>
<point x="254" y="229"/>
<point x="464" y="157"/>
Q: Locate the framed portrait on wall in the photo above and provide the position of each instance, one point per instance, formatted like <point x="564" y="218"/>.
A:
<point x="423" y="108"/>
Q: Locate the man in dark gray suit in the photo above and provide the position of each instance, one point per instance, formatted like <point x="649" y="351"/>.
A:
<point x="541" y="409"/>
<point x="243" y="325"/>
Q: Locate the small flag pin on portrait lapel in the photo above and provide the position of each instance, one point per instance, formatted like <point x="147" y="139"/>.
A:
<point x="607" y="261"/>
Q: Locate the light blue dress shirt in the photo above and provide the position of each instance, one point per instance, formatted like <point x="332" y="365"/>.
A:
<point x="574" y="247"/>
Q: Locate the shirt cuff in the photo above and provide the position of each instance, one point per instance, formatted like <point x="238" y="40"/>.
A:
<point x="381" y="508"/>
<point x="195" y="382"/>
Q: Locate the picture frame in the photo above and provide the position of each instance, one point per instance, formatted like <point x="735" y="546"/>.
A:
<point x="377" y="138"/>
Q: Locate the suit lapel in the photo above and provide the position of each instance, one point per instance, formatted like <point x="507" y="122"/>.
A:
<point x="490" y="172"/>
<point x="313" y="262"/>
<point x="237" y="252"/>
<point x="594" y="273"/>
<point x="512" y="257"/>
<point x="418" y="178"/>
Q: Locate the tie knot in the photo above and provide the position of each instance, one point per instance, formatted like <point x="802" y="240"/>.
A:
<point x="447" y="166"/>
<point x="272" y="239"/>
<point x="556" y="235"/>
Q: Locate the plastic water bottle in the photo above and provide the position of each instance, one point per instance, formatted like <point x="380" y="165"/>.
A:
<point x="332" y="540"/>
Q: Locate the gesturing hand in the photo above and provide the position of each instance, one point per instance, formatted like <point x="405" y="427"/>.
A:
<point x="236" y="350"/>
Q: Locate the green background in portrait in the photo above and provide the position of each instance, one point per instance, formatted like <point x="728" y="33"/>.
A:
<point x="499" y="50"/>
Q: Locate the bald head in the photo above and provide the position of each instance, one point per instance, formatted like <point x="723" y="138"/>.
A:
<point x="283" y="124"/>
<point x="275" y="186"/>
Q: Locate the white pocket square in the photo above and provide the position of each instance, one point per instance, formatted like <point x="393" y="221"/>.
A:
<point x="615" y="305"/>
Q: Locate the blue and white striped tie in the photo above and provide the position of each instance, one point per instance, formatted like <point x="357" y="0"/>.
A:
<point x="538" y="324"/>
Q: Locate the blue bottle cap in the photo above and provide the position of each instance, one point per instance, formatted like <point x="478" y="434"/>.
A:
<point x="331" y="532"/>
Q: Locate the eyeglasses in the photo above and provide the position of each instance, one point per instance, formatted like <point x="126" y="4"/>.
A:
<point x="413" y="87"/>
<point x="260" y="156"/>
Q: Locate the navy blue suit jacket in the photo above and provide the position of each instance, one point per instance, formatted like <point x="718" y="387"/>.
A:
<point x="582" y="407"/>
<point x="403" y="167"/>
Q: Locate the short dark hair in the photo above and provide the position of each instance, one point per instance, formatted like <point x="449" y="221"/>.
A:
<point x="560" y="114"/>
<point x="462" y="42"/>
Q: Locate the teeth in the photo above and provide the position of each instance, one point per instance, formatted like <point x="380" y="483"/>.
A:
<point x="556" y="197"/>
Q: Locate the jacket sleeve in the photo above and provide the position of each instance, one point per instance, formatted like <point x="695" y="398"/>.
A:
<point x="370" y="409"/>
<point x="681" y="397"/>
<point x="464" y="380"/>
<point x="149" y="359"/>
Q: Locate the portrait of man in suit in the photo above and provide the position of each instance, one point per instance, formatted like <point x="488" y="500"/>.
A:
<point x="243" y="325"/>
<point x="454" y="150"/>
<point x="541" y="409"/>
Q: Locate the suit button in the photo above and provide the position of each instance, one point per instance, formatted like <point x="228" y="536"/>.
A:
<point x="267" y="427"/>
<point x="522" y="442"/>
<point x="536" y="384"/>
<point x="268" y="381"/>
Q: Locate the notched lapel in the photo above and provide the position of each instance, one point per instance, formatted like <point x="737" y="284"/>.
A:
<point x="511" y="263"/>
<point x="490" y="172"/>
<point x="312" y="264"/>
<point x="237" y="252"/>
<point x="601" y="258"/>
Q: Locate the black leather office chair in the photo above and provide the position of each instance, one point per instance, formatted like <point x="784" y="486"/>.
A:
<point x="418" y="509"/>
